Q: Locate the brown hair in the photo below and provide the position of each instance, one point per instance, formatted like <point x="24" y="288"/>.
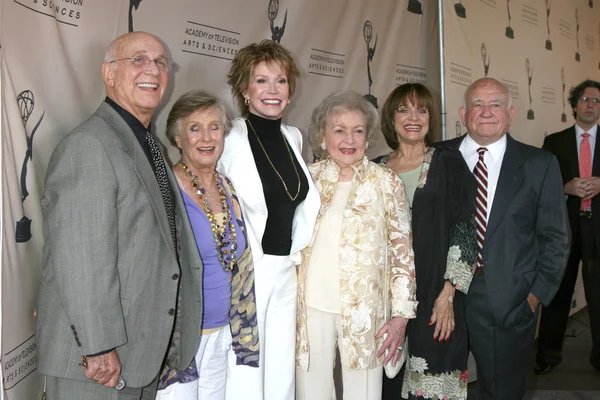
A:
<point x="416" y="94"/>
<point x="249" y="57"/>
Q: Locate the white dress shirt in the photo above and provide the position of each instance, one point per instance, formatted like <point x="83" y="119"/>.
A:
<point x="493" y="161"/>
<point x="592" y="139"/>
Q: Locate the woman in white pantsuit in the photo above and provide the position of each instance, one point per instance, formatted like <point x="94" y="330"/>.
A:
<point x="356" y="283"/>
<point x="263" y="159"/>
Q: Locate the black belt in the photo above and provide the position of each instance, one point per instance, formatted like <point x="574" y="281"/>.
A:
<point x="585" y="214"/>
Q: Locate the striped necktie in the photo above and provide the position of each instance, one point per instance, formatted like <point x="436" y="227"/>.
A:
<point x="481" y="176"/>
<point x="585" y="165"/>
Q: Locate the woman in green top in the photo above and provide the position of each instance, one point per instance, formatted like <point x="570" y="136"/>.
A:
<point x="444" y="243"/>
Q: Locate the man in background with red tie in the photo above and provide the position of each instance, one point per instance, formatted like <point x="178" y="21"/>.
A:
<point x="522" y="240"/>
<point x="578" y="155"/>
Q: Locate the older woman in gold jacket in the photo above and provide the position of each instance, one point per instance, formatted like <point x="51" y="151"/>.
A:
<point x="356" y="283"/>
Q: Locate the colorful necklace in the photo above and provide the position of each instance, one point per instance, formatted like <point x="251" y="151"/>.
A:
<point x="225" y="236"/>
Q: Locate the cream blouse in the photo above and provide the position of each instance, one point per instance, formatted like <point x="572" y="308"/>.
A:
<point x="376" y="266"/>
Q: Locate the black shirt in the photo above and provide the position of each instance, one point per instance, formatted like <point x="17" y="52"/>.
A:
<point x="277" y="239"/>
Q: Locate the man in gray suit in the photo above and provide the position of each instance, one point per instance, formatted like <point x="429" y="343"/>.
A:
<point x="523" y="240"/>
<point x="120" y="264"/>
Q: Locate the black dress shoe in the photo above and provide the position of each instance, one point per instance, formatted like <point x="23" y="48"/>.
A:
<point x="542" y="368"/>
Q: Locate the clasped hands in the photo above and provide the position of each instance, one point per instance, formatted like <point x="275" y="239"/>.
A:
<point x="104" y="369"/>
<point x="584" y="188"/>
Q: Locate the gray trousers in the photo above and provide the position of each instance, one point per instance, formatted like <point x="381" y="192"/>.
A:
<point x="68" y="389"/>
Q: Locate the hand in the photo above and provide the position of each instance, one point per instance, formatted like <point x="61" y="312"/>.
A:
<point x="443" y="313"/>
<point x="533" y="301"/>
<point x="593" y="187"/>
<point x="579" y="187"/>
<point x="396" y="331"/>
<point x="104" y="369"/>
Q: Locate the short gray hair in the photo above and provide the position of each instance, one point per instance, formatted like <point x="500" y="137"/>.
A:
<point x="187" y="104"/>
<point x="337" y="103"/>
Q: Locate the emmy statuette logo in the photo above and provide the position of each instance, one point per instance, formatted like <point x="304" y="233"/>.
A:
<point x="461" y="11"/>
<point x="599" y="42"/>
<point x="26" y="103"/>
<point x="458" y="129"/>
<point x="414" y="6"/>
<point x="548" y="42"/>
<point x="509" y="31"/>
<point x="529" y="68"/>
<point x="563" y="79"/>
<point x="276" y="32"/>
<point x="133" y="4"/>
<point x="368" y="35"/>
<point x="485" y="57"/>
<point x="591" y="3"/>
<point x="577" y="56"/>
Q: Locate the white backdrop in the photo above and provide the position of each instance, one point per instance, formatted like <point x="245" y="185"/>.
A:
<point x="558" y="39"/>
<point x="51" y="53"/>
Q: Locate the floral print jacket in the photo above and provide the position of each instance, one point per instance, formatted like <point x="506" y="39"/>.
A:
<point x="377" y="274"/>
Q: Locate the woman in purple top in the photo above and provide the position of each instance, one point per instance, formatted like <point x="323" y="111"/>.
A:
<point x="197" y="125"/>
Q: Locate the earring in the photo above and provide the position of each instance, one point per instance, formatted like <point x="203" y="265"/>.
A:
<point x="367" y="145"/>
<point x="246" y="101"/>
<point x="289" y="101"/>
<point x="323" y="146"/>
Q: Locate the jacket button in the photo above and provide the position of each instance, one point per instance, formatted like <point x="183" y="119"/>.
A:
<point x="175" y="277"/>
<point x="172" y="311"/>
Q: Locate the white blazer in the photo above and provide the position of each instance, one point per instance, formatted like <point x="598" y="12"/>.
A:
<point x="237" y="163"/>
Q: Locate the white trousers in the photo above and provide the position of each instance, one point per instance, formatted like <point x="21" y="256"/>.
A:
<point x="324" y="332"/>
<point x="211" y="361"/>
<point x="276" y="288"/>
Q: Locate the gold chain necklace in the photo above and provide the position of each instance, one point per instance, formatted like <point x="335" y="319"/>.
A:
<point x="226" y="243"/>
<point x="273" y="166"/>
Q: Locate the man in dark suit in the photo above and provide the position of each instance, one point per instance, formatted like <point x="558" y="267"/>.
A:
<point x="522" y="235"/>
<point x="579" y="159"/>
<point x="120" y="263"/>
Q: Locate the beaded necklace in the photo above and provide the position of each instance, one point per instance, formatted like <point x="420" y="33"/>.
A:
<point x="225" y="236"/>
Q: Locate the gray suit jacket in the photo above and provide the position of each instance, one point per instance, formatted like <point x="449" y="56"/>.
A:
<point x="526" y="243"/>
<point x="110" y="275"/>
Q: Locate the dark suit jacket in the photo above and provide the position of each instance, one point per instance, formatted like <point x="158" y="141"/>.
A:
<point x="563" y="145"/>
<point x="110" y="275"/>
<point x="527" y="238"/>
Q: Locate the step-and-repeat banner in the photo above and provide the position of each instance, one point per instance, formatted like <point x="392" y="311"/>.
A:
<point x="538" y="48"/>
<point x="51" y="54"/>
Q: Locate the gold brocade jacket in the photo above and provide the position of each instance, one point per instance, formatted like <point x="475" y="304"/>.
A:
<point x="377" y="273"/>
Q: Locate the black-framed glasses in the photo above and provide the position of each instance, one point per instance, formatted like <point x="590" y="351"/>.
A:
<point x="144" y="62"/>
<point x="585" y="99"/>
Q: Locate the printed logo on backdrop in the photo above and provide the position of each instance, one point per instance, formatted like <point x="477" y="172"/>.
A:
<point x="26" y="103"/>
<point x="509" y="31"/>
<point x="577" y="56"/>
<point x="485" y="57"/>
<point x="529" y="69"/>
<point x="67" y="12"/>
<point x="460" y="74"/>
<point x="326" y="63"/>
<point x="414" y="6"/>
<point x="591" y="3"/>
<point x="132" y="4"/>
<point x="276" y="32"/>
<point x="210" y="41"/>
<point x="368" y="35"/>
<point x="548" y="41"/>
<point x="563" y="79"/>
<point x="460" y="10"/>
<point x="513" y="88"/>
<point x="19" y="363"/>
<point x="530" y="15"/>
<point x="410" y="74"/>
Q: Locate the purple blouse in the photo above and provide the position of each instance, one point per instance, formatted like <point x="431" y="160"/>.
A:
<point x="216" y="285"/>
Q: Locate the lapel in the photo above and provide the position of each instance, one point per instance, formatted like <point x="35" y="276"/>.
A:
<point x="596" y="159"/>
<point x="570" y="143"/>
<point x="509" y="182"/>
<point x="142" y="168"/>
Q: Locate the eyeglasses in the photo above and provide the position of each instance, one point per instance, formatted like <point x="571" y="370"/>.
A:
<point x="585" y="99"/>
<point x="144" y="62"/>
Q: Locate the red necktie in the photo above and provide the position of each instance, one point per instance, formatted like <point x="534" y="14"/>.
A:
<point x="585" y="165"/>
<point x="481" y="176"/>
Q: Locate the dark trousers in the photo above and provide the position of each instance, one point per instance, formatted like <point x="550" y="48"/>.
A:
<point x="555" y="317"/>
<point x="393" y="387"/>
<point x="68" y="389"/>
<point x="502" y="354"/>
